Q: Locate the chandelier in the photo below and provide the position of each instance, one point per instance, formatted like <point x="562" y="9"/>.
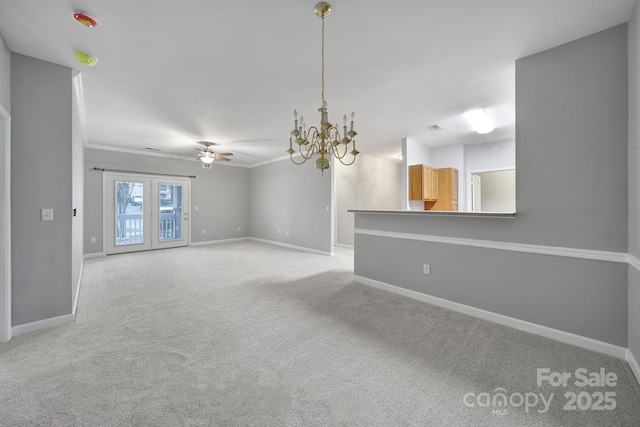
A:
<point x="326" y="140"/>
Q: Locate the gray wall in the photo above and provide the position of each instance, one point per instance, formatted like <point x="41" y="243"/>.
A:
<point x="634" y="181"/>
<point x="41" y="158"/>
<point x="572" y="107"/>
<point x="5" y="73"/>
<point x="346" y="198"/>
<point x="370" y="183"/>
<point x="294" y="198"/>
<point x="378" y="183"/>
<point x="571" y="156"/>
<point x="221" y="194"/>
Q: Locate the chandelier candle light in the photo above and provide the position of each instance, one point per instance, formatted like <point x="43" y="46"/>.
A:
<point x="325" y="141"/>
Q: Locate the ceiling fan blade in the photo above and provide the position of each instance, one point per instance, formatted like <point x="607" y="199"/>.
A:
<point x="223" y="158"/>
<point x="224" y="154"/>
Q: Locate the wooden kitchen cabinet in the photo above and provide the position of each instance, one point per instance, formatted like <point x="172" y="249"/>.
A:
<point x="447" y="191"/>
<point x="423" y="183"/>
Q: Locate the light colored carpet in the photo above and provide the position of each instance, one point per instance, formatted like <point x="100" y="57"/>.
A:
<point x="248" y="334"/>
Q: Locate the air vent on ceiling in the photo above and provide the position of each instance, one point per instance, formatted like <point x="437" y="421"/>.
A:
<point x="434" y="127"/>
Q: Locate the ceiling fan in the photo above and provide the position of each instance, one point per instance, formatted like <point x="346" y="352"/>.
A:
<point x="207" y="155"/>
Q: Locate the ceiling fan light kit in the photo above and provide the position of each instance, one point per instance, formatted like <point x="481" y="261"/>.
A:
<point x="207" y="159"/>
<point x="325" y="141"/>
<point x="207" y="155"/>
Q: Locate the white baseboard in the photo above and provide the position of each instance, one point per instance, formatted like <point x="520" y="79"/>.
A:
<point x="217" y="242"/>
<point x="286" y="245"/>
<point x="633" y="363"/>
<point x="554" y="334"/>
<point x="42" y="324"/>
<point x="342" y="245"/>
<point x="95" y="255"/>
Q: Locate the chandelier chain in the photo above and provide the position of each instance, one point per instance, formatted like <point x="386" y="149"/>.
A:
<point x="322" y="60"/>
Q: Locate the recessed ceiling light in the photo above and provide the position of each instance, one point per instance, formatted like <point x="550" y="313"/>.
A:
<point x="435" y="127"/>
<point x="85" y="19"/>
<point x="86" y="59"/>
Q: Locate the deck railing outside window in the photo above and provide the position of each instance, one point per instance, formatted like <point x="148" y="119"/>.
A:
<point x="130" y="228"/>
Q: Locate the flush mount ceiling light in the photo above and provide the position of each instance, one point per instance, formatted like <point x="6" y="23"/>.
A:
<point x="326" y="140"/>
<point x="479" y="120"/>
<point x="85" y="19"/>
<point x="86" y="59"/>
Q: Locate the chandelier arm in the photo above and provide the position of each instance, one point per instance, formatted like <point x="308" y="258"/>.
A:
<point x="309" y="153"/>
<point x="335" y="151"/>
<point x="347" y="164"/>
<point x="304" y="159"/>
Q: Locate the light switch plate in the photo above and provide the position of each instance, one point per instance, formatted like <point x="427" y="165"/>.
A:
<point x="46" y="214"/>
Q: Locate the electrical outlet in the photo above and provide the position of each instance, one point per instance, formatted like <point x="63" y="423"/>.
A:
<point x="287" y="232"/>
<point x="204" y="231"/>
<point x="239" y="228"/>
<point x="278" y="231"/>
<point x="93" y="240"/>
<point x="426" y="269"/>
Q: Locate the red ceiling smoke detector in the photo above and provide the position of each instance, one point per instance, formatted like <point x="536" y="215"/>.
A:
<point x="85" y="19"/>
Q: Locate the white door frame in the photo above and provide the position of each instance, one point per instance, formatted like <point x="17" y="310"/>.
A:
<point x="153" y="179"/>
<point x="5" y="231"/>
<point x="469" y="182"/>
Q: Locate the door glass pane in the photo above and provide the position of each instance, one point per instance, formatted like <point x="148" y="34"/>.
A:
<point x="170" y="212"/>
<point x="129" y="204"/>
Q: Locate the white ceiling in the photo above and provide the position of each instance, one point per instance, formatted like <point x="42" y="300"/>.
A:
<point x="174" y="73"/>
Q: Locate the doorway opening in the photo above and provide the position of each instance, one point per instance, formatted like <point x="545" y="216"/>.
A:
<point x="493" y="191"/>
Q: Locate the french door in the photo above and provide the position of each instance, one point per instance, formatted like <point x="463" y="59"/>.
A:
<point x="144" y="213"/>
